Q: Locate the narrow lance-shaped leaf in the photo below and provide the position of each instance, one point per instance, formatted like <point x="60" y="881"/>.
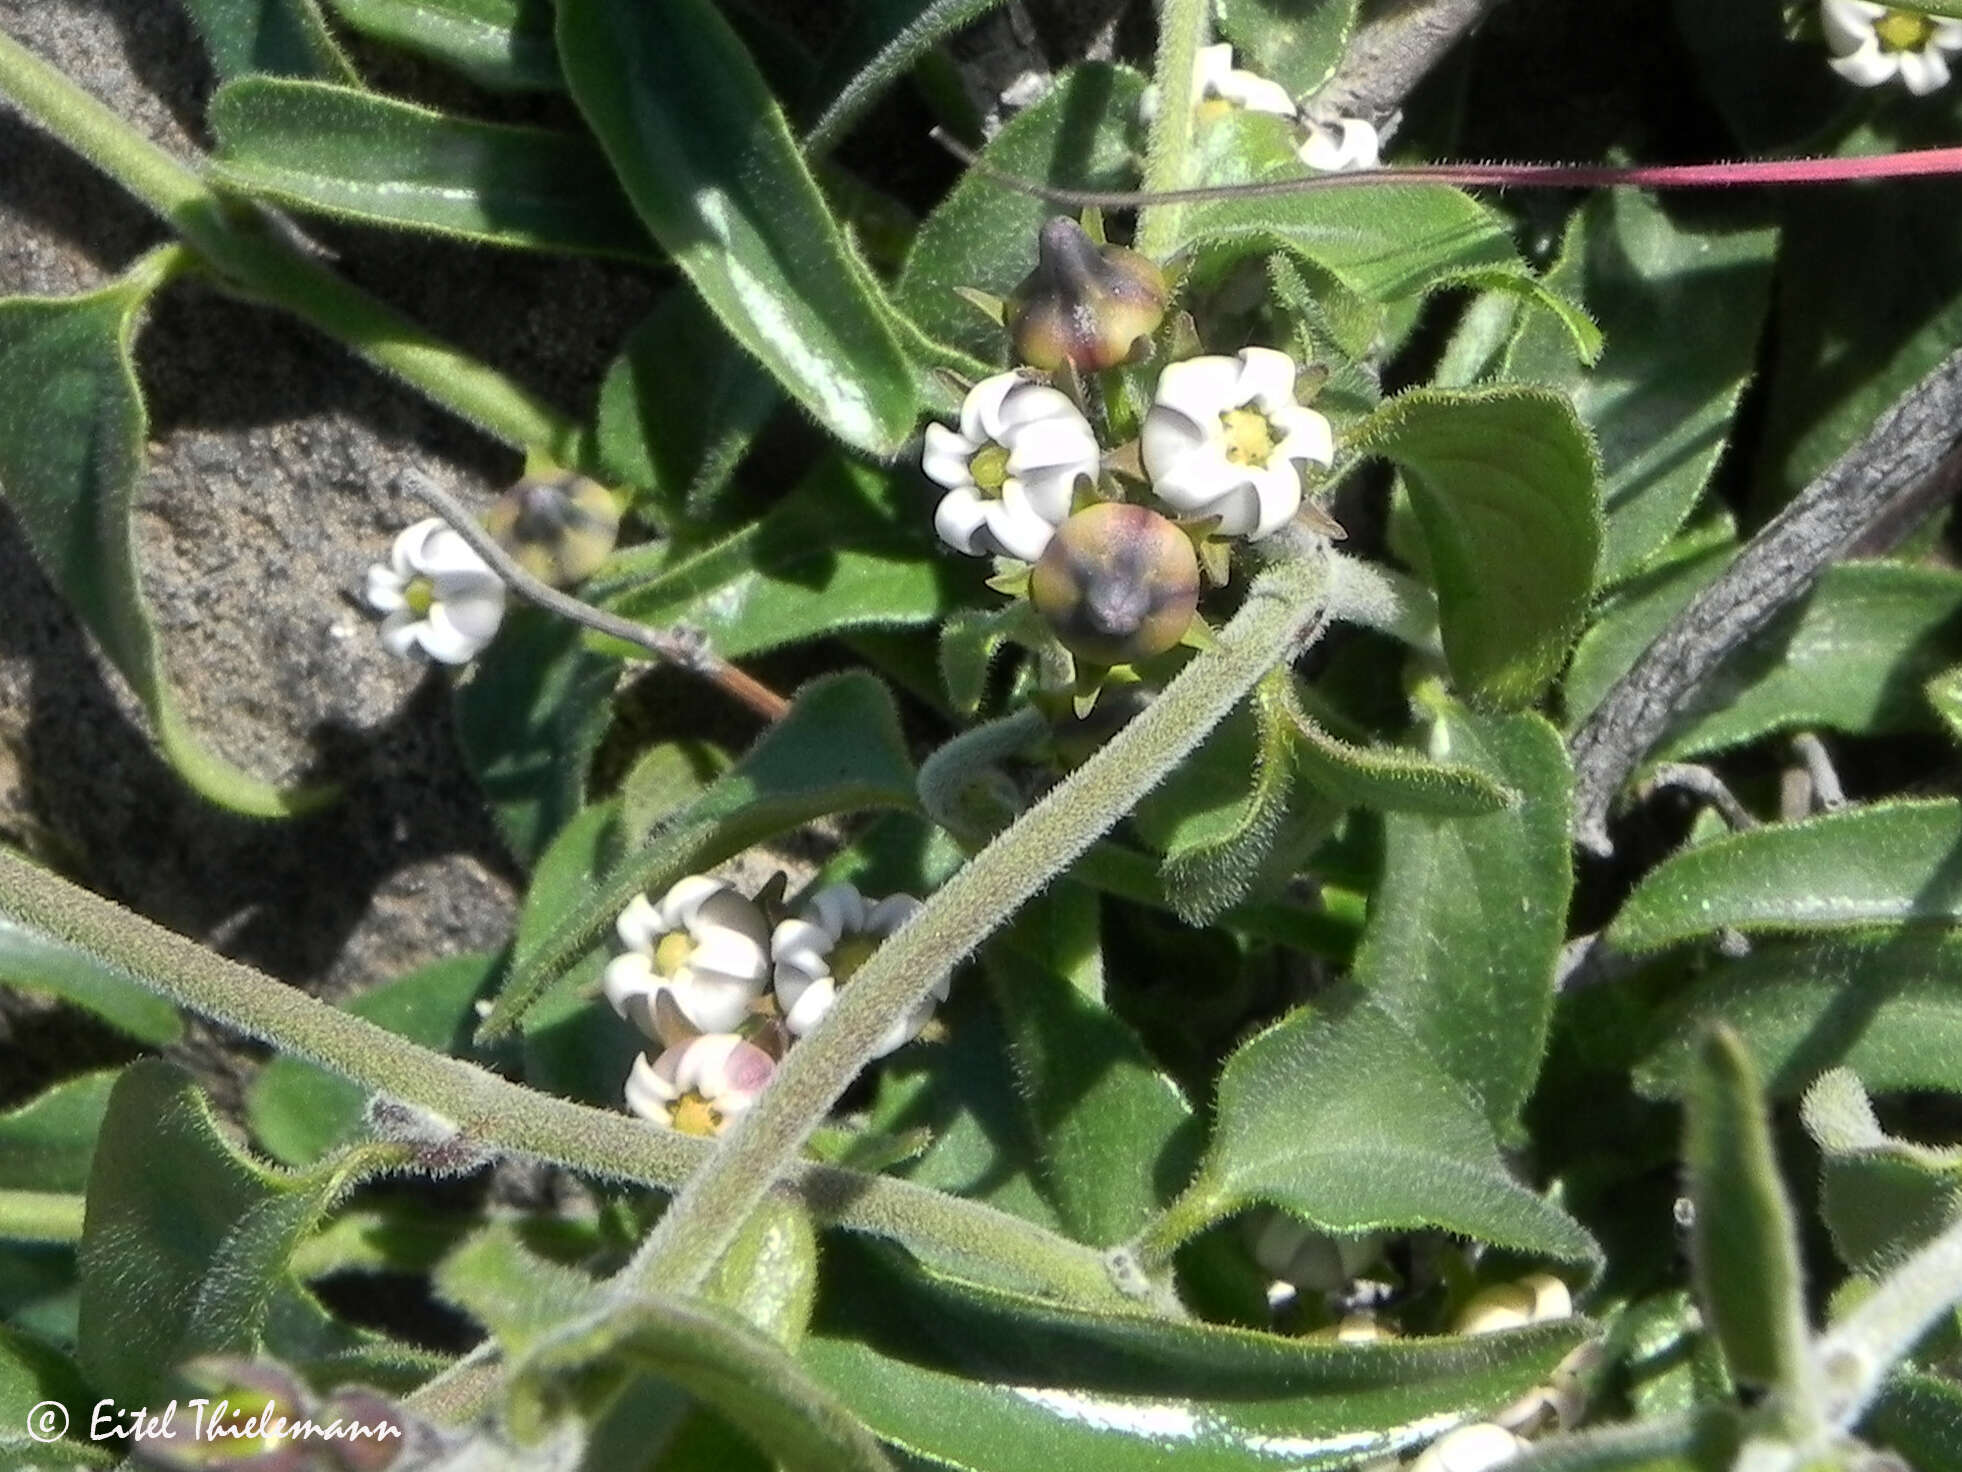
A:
<point x="1887" y="863"/>
<point x="710" y="165"/>
<point x="37" y="962"/>
<point x="47" y="1144"/>
<point x="283" y="37"/>
<point x="1506" y="489"/>
<point x="1745" y="1239"/>
<point x="72" y="426"/>
<point x="505" y="45"/>
<point x="337" y="151"/>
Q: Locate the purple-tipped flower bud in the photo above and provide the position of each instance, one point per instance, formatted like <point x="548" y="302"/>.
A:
<point x="560" y="528"/>
<point x="1084" y="304"/>
<point x="1117" y="583"/>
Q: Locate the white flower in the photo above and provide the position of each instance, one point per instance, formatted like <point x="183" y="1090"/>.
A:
<point x="1011" y="469"/>
<point x="436" y="593"/>
<point x="1216" y="80"/>
<point x="1872" y="44"/>
<point x="1533" y="1299"/>
<point x="704" y="945"/>
<point x="1223" y="436"/>
<point x="698" y="1086"/>
<point x="1474" y="1448"/>
<point x="1345" y="143"/>
<point x="820" y="950"/>
<point x="1297" y="1254"/>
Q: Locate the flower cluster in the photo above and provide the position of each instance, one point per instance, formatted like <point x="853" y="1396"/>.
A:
<point x="1219" y="87"/>
<point x="705" y="975"/>
<point x="1872" y="44"/>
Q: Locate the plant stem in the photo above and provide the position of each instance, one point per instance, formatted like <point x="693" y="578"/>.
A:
<point x="40" y="1216"/>
<point x="1183" y="26"/>
<point x="247" y="255"/>
<point x="505" y="1116"/>
<point x="1283" y="609"/>
<point x="1197" y="1208"/>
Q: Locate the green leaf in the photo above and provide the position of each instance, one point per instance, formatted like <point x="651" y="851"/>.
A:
<point x="284" y="37"/>
<point x="1466" y="924"/>
<point x="1393" y="778"/>
<point x="1860" y="867"/>
<point x="834" y="555"/>
<point x="1682" y="310"/>
<point x="1918" y="1415"/>
<point x="1395" y="1143"/>
<point x="1086" y="135"/>
<point x="32" y="1374"/>
<point x="880" y="44"/>
<point x="505" y="45"/>
<point x="680" y="407"/>
<point x="519" y="1296"/>
<point x="72" y="428"/>
<point x="1299" y="43"/>
<point x="960" y="1376"/>
<point x="528" y="721"/>
<point x="1855" y="654"/>
<point x="709" y="163"/>
<point x="1111" y="1130"/>
<point x="336" y="151"/>
<point x="47" y="1143"/>
<point x="839" y="749"/>
<point x="1744" y="1240"/>
<point x="299" y="1111"/>
<point x="1886" y="1005"/>
<point x="1390" y="243"/>
<point x="1881" y="1198"/>
<point x="1505" y="487"/>
<point x="970" y="640"/>
<point x="185" y="1247"/>
<point x="1944" y="693"/>
<point x="35" y="962"/>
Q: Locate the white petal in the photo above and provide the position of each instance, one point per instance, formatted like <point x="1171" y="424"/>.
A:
<point x="807" y="1009"/>
<point x="1210" y="67"/>
<point x="475" y="610"/>
<point x="1052" y="442"/>
<point x="1049" y="493"/>
<point x="1948" y="35"/>
<point x="626" y="980"/>
<point x="1017" y="528"/>
<point x="1848" y="23"/>
<point x="1867" y="67"/>
<point x="443" y="641"/>
<point x="700" y="1067"/>
<point x="1255" y="93"/>
<point x="1169" y="435"/>
<point x="1478" y="1447"/>
<point x="1278" y="489"/>
<point x="837" y="909"/>
<point x="1199" y="478"/>
<point x="1266" y="379"/>
<point x="1551" y="1297"/>
<point x="1202" y="389"/>
<point x="890" y="913"/>
<point x="959" y="517"/>
<point x="684" y="898"/>
<point x="384" y="589"/>
<point x="640" y="926"/>
<point x="649" y="1094"/>
<point x="945" y="456"/>
<point x="401" y="633"/>
<point x="1238" y="511"/>
<point x="803" y="946"/>
<point x="714" y="1003"/>
<point x="1027" y="404"/>
<point x="728" y="911"/>
<point x="405" y="553"/>
<point x="1305" y="435"/>
<point x="731" y="953"/>
<point x="981" y="409"/>
<point x="1923" y="71"/>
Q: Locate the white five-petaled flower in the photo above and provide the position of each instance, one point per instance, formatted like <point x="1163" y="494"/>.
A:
<point x="436" y="594"/>
<point x="1342" y="144"/>
<point x="1218" y="82"/>
<point x="1872" y="44"/>
<point x="1010" y="469"/>
<point x="704" y="945"/>
<point x="1224" y="436"/>
<point x="818" y="952"/>
<point x="698" y="1086"/>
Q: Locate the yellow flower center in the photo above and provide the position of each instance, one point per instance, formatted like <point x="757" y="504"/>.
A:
<point x="989" y="467"/>
<point x="691" y="1114"/>
<point x="673" y="952"/>
<point x="1249" y="436"/>
<point x="420" y="595"/>
<point x="849" y="954"/>
<point x="1208" y="109"/>
<point x="1904" y="30"/>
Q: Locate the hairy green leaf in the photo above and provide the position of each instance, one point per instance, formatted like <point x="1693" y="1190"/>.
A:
<point x="1506" y="489"/>
<point x="47" y="1143"/>
<point x="880" y="44"/>
<point x="35" y="962"/>
<point x="34" y="1373"/>
<point x="72" y="427"/>
<point x="1868" y="866"/>
<point x="1394" y="778"/>
<point x="1299" y="43"/>
<point x="505" y="45"/>
<point x="1918" y="1415"/>
<point x="710" y="165"/>
<point x="283" y="37"/>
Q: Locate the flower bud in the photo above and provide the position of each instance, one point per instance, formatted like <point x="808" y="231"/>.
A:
<point x="560" y="528"/>
<point x="1117" y="583"/>
<point x="1083" y="304"/>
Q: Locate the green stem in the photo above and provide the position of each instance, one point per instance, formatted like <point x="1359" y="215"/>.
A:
<point x="508" y="1117"/>
<point x="1281" y="608"/>
<point x="241" y="248"/>
<point x="1198" y="1207"/>
<point x="1183" y="26"/>
<point x="1855" y="1356"/>
<point x="40" y="1216"/>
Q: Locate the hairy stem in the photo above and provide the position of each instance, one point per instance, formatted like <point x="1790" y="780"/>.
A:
<point x="1183" y="26"/>
<point x="507" y="1117"/>
<point x="239" y="244"/>
<point x="1284" y="608"/>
